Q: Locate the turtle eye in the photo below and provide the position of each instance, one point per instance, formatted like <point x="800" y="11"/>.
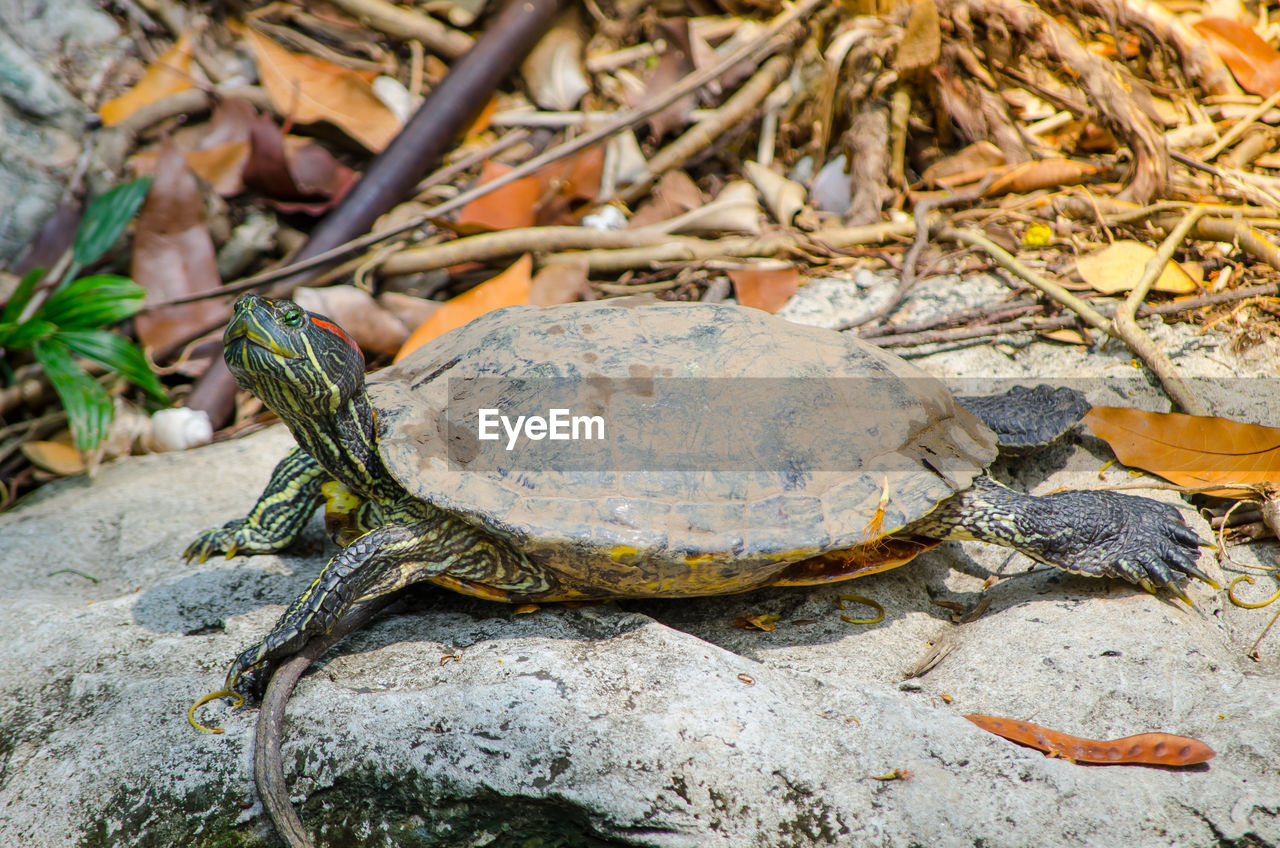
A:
<point x="292" y="318"/>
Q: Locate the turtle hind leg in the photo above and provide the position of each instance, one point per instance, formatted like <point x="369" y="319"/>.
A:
<point x="283" y="509"/>
<point x="1099" y="534"/>
<point x="1024" y="419"/>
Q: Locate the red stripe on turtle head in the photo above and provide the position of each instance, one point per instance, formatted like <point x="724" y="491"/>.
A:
<point x="330" y="327"/>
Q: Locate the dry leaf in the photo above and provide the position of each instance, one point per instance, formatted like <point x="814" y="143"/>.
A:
<point x="169" y="74"/>
<point x="1190" y="450"/>
<point x="674" y="194"/>
<point x="1036" y="174"/>
<point x="1254" y="63"/>
<point x="410" y="311"/>
<point x="757" y="622"/>
<point x="54" y="457"/>
<point x="783" y="197"/>
<point x="968" y="165"/>
<point x="1163" y="749"/>
<point x="511" y="207"/>
<point x="562" y="282"/>
<point x="295" y="174"/>
<point x="1066" y="335"/>
<point x="510" y="288"/>
<point x="173" y="255"/>
<point x="373" y="328"/>
<point x="216" y="151"/>
<point x="1119" y="266"/>
<point x="734" y="210"/>
<point x="765" y="288"/>
<point x="308" y="89"/>
<point x="921" y="40"/>
<point x="553" y="71"/>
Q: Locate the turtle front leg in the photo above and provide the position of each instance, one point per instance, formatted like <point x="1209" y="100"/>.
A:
<point x="291" y="497"/>
<point x="1100" y="534"/>
<point x="382" y="561"/>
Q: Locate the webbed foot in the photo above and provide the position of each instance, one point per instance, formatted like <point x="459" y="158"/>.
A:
<point x="238" y="536"/>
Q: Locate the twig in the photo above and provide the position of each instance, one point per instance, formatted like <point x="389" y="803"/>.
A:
<point x="448" y="172"/>
<point x="1031" y="325"/>
<point x="1126" y="324"/>
<point x="1240" y="126"/>
<point x="920" y="214"/>
<point x="408" y="25"/>
<point x="700" y="136"/>
<point x="1010" y="263"/>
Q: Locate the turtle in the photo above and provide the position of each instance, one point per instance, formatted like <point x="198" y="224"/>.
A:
<point x="413" y="493"/>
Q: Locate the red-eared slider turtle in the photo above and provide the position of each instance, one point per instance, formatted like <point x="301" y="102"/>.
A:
<point x="906" y="470"/>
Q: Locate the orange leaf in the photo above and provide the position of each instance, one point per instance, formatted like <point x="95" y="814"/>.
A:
<point x="308" y="89"/>
<point x="168" y="74"/>
<point x="511" y="207"/>
<point x="54" y="457"/>
<point x="1254" y="63"/>
<point x="563" y="282"/>
<point x="510" y="288"/>
<point x="1031" y="176"/>
<point x="1160" y="749"/>
<point x="765" y="288"/>
<point x="1190" y="450"/>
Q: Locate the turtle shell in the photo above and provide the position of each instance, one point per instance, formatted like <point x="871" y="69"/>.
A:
<point x="641" y="524"/>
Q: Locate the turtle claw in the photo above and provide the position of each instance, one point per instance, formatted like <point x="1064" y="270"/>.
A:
<point x="233" y="538"/>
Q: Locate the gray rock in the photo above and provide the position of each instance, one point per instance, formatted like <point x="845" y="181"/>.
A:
<point x="642" y="723"/>
<point x="41" y="123"/>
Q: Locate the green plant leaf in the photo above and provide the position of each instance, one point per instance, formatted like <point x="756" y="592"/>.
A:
<point x="92" y="302"/>
<point x="105" y="219"/>
<point x="28" y="333"/>
<point x="88" y="407"/>
<point x="21" y="296"/>
<point x="117" y="354"/>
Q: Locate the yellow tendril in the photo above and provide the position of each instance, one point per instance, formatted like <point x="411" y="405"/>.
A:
<point x="238" y="701"/>
<point x="861" y="600"/>
<point x="1231" y="593"/>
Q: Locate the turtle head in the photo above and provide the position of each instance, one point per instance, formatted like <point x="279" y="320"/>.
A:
<point x="297" y="362"/>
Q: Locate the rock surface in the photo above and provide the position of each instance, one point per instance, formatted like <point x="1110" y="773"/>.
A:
<point x="41" y="124"/>
<point x="654" y="723"/>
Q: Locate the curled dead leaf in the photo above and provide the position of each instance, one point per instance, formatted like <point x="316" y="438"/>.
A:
<point x="784" y="198"/>
<point x="757" y="622"/>
<point x="1252" y="61"/>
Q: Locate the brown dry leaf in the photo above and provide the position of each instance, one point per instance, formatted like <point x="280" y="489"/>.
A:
<point x="308" y="89"/>
<point x="967" y="165"/>
<point x="295" y="174"/>
<point x="373" y="328"/>
<point x="1190" y="450"/>
<point x="553" y="71"/>
<point x="410" y="311"/>
<point x="757" y="622"/>
<point x="1119" y="266"/>
<point x="570" y="186"/>
<point x="217" y="150"/>
<point x="765" y="288"/>
<point x="921" y="41"/>
<point x="168" y="74"/>
<point x="221" y="166"/>
<point x="734" y="210"/>
<point x="563" y="282"/>
<point x="54" y="457"/>
<point x="675" y="194"/>
<point x="1031" y="176"/>
<point x="173" y="255"/>
<point x="510" y="288"/>
<point x="1254" y="63"/>
<point x="1066" y="335"/>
